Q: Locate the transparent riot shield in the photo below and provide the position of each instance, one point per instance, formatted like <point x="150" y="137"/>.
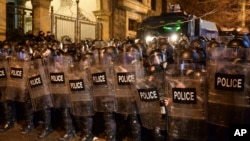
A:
<point x="39" y="86"/>
<point x="126" y="73"/>
<point x="187" y="106"/>
<point x="57" y="70"/>
<point x="228" y="98"/>
<point x="150" y="93"/>
<point x="16" y="86"/>
<point x="102" y="78"/>
<point x="3" y="77"/>
<point x="80" y="89"/>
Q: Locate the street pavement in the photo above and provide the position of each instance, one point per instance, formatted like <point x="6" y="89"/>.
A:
<point x="14" y="134"/>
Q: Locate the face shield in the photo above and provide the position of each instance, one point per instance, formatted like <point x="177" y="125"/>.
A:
<point x="130" y="57"/>
<point x="23" y="54"/>
<point x="187" y="65"/>
<point x="88" y="59"/>
<point x="188" y="61"/>
<point x="5" y="51"/>
<point x="109" y="55"/>
<point x="155" y="58"/>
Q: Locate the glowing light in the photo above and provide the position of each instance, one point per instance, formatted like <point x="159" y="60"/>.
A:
<point x="148" y="39"/>
<point x="174" y="37"/>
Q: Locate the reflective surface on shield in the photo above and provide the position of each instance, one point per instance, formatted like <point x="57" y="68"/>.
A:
<point x="187" y="107"/>
<point x="80" y="91"/>
<point x="102" y="78"/>
<point x="39" y="86"/>
<point x="228" y="99"/>
<point x="149" y="93"/>
<point x="3" y="77"/>
<point x="128" y="71"/>
<point x="57" y="70"/>
<point x="17" y="79"/>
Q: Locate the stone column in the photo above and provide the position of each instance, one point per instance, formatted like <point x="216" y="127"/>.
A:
<point x="3" y="21"/>
<point x="103" y="15"/>
<point x="41" y="16"/>
<point x="104" y="19"/>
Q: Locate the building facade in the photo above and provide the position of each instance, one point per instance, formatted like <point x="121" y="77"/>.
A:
<point x="110" y="18"/>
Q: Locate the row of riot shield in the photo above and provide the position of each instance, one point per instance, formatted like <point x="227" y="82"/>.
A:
<point x="182" y="86"/>
<point x="59" y="82"/>
<point x="113" y="79"/>
<point x="121" y="85"/>
<point x="218" y="94"/>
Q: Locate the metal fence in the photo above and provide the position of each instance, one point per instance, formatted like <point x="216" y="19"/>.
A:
<point x="20" y="20"/>
<point x="67" y="26"/>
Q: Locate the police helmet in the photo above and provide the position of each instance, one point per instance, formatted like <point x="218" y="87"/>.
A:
<point x="110" y="54"/>
<point x="88" y="58"/>
<point x="198" y="44"/>
<point x="155" y="57"/>
<point x="213" y="44"/>
<point x="188" y="59"/>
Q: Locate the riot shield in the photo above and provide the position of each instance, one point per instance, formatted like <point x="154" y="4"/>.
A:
<point x="228" y="99"/>
<point x="102" y="78"/>
<point x="3" y="77"/>
<point x="187" y="105"/>
<point x="80" y="90"/>
<point x="16" y="86"/>
<point x="149" y="95"/>
<point x="126" y="73"/>
<point x="57" y="70"/>
<point x="38" y="86"/>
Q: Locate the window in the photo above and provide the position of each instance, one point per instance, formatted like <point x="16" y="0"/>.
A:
<point x="153" y="4"/>
<point x="132" y="25"/>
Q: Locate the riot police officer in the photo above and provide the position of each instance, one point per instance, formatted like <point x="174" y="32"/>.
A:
<point x="81" y="94"/>
<point x="38" y="87"/>
<point x="227" y="103"/>
<point x="156" y="74"/>
<point x="128" y="70"/>
<point x="5" y="53"/>
<point x="16" y="89"/>
<point x="186" y="90"/>
<point x="103" y="88"/>
<point x="58" y="64"/>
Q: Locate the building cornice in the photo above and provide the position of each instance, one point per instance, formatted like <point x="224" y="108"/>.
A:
<point x="133" y="6"/>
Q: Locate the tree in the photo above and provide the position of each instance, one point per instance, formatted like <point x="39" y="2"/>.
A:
<point x="223" y="12"/>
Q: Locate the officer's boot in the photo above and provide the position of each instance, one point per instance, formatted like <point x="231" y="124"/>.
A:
<point x="29" y="118"/>
<point x="9" y="115"/>
<point x="47" y="123"/>
<point x="78" y="126"/>
<point x="110" y="125"/>
<point x="87" y="129"/>
<point x="158" y="135"/>
<point x="68" y="126"/>
<point x="135" y="127"/>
